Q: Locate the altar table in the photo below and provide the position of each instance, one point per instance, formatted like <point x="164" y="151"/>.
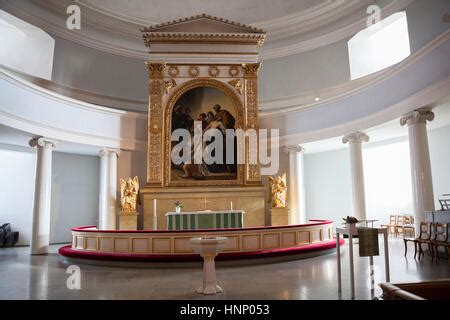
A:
<point x="205" y="220"/>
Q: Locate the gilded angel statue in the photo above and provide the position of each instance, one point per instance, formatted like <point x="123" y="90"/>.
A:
<point x="278" y="191"/>
<point x="129" y="194"/>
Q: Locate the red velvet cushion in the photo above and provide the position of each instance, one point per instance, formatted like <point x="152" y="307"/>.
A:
<point x="67" y="251"/>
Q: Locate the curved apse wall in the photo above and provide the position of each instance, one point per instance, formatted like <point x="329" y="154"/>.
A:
<point x="376" y="103"/>
<point x="53" y="113"/>
<point x="107" y="74"/>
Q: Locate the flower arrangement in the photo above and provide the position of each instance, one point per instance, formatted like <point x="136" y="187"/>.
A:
<point x="350" y="219"/>
<point x="178" y="204"/>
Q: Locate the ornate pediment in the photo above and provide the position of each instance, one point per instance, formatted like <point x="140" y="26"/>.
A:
<point x="203" y="28"/>
<point x="203" y="23"/>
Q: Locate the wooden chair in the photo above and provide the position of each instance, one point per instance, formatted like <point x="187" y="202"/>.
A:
<point x="399" y="225"/>
<point x="425" y="239"/>
<point x="408" y="226"/>
<point x="448" y="254"/>
<point x="440" y="239"/>
<point x="424" y="236"/>
<point x="391" y="225"/>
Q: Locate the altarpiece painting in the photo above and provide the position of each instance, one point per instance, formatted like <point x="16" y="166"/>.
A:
<point x="210" y="109"/>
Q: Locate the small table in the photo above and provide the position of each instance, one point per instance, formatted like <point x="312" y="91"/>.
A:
<point x="350" y="234"/>
<point x="208" y="248"/>
<point x="371" y="221"/>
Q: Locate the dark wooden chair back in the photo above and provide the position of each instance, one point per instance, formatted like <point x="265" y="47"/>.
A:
<point x="425" y="231"/>
<point x="441" y="232"/>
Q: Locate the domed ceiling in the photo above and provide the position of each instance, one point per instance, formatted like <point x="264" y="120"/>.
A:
<point x="157" y="11"/>
<point x="292" y="26"/>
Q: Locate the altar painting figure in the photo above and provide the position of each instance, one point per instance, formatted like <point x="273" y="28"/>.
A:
<point x="213" y="109"/>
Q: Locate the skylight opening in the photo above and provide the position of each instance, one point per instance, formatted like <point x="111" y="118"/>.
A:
<point x="379" y="46"/>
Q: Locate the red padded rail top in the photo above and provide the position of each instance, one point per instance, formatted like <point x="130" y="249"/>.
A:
<point x="67" y="251"/>
<point x="312" y="223"/>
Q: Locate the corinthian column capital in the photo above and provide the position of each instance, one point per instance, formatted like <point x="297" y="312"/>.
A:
<point x="155" y="69"/>
<point x="356" y="137"/>
<point x="251" y="69"/>
<point x="416" y="116"/>
<point x="42" y="142"/>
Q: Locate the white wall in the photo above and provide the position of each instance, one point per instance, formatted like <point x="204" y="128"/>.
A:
<point x="99" y="72"/>
<point x="440" y="161"/>
<point x="387" y="178"/>
<point x="328" y="185"/>
<point x="25" y="47"/>
<point x="425" y="21"/>
<point x="60" y="118"/>
<point x="17" y="170"/>
<point x="307" y="71"/>
<point x="88" y="69"/>
<point x="92" y="70"/>
<point x="75" y="190"/>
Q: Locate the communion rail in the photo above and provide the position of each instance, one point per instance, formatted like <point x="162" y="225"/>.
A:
<point x="313" y="238"/>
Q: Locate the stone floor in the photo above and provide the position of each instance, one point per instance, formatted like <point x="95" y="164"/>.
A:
<point x="44" y="277"/>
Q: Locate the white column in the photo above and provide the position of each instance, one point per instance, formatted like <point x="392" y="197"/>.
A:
<point x="355" y="141"/>
<point x="40" y="234"/>
<point x="108" y="189"/>
<point x="422" y="182"/>
<point x="296" y="188"/>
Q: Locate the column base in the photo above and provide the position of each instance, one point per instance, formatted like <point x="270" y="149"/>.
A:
<point x="39" y="251"/>
<point x="279" y="216"/>
<point x="128" y="220"/>
<point x="210" y="290"/>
